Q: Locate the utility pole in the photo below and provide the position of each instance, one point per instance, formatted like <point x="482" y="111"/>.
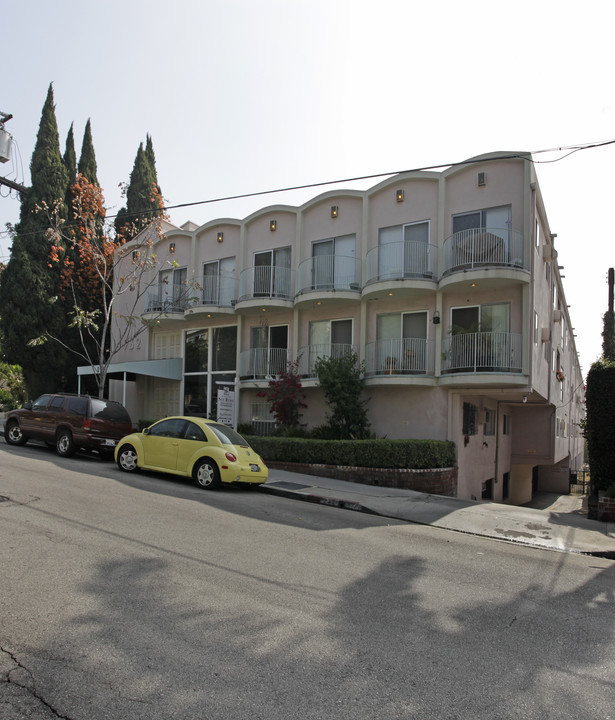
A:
<point x="6" y="145"/>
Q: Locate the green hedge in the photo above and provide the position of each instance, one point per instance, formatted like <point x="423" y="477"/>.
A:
<point x="413" y="454"/>
<point x="600" y="426"/>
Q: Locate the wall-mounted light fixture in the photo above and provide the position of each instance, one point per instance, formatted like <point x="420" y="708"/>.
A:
<point x="273" y="225"/>
<point x="135" y="256"/>
<point x="172" y="248"/>
<point x="334" y="211"/>
<point x="399" y="195"/>
<point x="436" y="318"/>
<point x="220" y="236"/>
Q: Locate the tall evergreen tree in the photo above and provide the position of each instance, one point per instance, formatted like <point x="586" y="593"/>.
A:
<point x="70" y="163"/>
<point x="28" y="283"/>
<point x="87" y="161"/>
<point x="143" y="195"/>
<point x="70" y="157"/>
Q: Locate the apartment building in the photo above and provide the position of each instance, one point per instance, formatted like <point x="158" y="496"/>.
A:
<point x="447" y="286"/>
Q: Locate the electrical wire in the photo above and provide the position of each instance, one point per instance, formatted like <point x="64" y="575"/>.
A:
<point x="527" y="156"/>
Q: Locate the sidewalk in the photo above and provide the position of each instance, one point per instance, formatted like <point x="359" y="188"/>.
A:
<point x="561" y="526"/>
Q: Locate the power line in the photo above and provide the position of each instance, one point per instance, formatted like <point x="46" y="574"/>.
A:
<point x="568" y="149"/>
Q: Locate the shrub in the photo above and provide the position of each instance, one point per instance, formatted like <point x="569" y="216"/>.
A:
<point x="286" y="397"/>
<point x="600" y="423"/>
<point x="342" y="381"/>
<point x="375" y="453"/>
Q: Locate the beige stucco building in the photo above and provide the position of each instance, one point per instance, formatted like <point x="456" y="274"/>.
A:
<point x="447" y="286"/>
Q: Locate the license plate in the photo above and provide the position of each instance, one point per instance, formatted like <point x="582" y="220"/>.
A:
<point x="254" y="468"/>
<point x="111" y="443"/>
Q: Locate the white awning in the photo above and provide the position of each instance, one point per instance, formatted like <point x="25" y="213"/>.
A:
<point x="170" y="369"/>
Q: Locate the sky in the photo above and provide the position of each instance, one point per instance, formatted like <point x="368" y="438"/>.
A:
<point x="242" y="96"/>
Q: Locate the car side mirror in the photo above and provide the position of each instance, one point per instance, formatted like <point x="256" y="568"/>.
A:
<point x="27" y="406"/>
<point x="146" y="431"/>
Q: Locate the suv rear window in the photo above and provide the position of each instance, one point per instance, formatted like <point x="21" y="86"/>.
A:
<point x="109" y="410"/>
<point x="78" y="406"/>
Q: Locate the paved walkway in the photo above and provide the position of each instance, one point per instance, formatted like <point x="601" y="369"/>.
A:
<point x="561" y="524"/>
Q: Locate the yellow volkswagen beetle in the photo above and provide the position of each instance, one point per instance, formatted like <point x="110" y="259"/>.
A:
<point x="207" y="451"/>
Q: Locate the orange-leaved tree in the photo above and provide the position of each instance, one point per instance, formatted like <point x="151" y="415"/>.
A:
<point x="104" y="278"/>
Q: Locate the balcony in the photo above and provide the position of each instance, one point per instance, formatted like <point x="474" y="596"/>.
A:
<point x="399" y="356"/>
<point x="324" y="273"/>
<point x="495" y="352"/>
<point x="480" y="248"/>
<point x="262" y="363"/>
<point x="165" y="298"/>
<point x="266" y="281"/>
<point x="309" y="354"/>
<point x="219" y="290"/>
<point x="401" y="261"/>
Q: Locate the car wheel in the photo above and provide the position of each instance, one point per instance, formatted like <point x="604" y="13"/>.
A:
<point x="206" y="474"/>
<point x="127" y="459"/>
<point x="64" y="443"/>
<point x="13" y="434"/>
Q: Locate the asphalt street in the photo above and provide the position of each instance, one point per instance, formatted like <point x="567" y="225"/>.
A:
<point x="140" y="596"/>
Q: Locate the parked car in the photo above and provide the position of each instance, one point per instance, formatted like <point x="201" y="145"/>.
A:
<point x="68" y="422"/>
<point x="207" y="451"/>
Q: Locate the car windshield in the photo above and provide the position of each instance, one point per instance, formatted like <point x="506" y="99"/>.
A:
<point x="226" y="435"/>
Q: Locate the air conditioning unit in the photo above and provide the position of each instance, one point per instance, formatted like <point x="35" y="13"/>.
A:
<point x="545" y="334"/>
<point x="557" y="316"/>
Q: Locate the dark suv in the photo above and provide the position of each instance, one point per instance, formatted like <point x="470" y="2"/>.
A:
<point x="69" y="422"/>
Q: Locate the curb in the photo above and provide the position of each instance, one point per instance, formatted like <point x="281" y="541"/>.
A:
<point x="358" y="507"/>
<point x="319" y="500"/>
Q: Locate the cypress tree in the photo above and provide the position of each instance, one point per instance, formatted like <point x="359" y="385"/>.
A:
<point x="70" y="163"/>
<point x="28" y="283"/>
<point x="143" y="195"/>
<point x="87" y="161"/>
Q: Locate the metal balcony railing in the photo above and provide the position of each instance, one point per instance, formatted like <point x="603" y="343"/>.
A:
<point x="262" y="363"/>
<point x="168" y="298"/>
<point x="266" y="281"/>
<point x="309" y="354"/>
<point x="399" y="356"/>
<point x="401" y="260"/>
<point x="329" y="272"/>
<point x="219" y="290"/>
<point x="480" y="247"/>
<point x="482" y="352"/>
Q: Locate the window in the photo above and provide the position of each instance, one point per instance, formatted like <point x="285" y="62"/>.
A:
<point x="78" y="406"/>
<point x="535" y="328"/>
<point x="172" y="289"/>
<point x="333" y="263"/>
<point x="329" y="338"/>
<point x="537" y="233"/>
<point x="219" y="282"/>
<point x="497" y="220"/>
<point x="194" y="432"/>
<point x="403" y="249"/>
<point x="470" y="419"/>
<point x="269" y="350"/>
<point x="489" y="426"/>
<point x="506" y="424"/>
<point x="401" y="342"/>
<point x="172" y="428"/>
<point x="41" y="402"/>
<point x="210" y="359"/>
<point x="272" y="273"/>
